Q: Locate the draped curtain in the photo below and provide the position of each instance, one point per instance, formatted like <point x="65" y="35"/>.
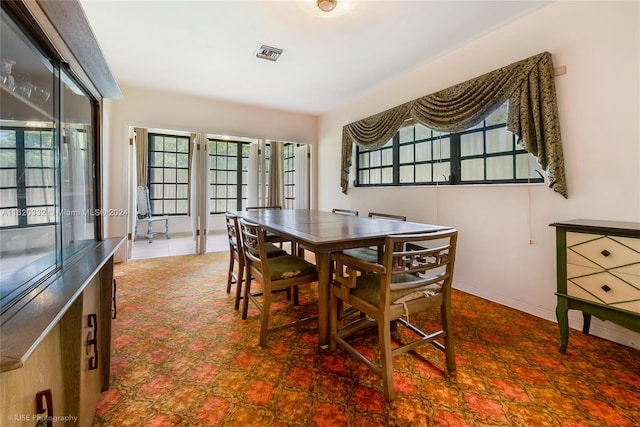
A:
<point x="142" y="155"/>
<point x="529" y="87"/>
<point x="276" y="175"/>
<point x="302" y="177"/>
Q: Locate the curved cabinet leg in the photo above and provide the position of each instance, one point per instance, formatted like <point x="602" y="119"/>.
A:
<point x="563" y="323"/>
<point x="586" y="325"/>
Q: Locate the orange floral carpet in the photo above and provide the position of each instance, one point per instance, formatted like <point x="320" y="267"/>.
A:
<point x="183" y="356"/>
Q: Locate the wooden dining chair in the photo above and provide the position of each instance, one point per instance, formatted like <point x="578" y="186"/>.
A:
<point x="344" y="212"/>
<point x="271" y="237"/>
<point x="393" y="292"/>
<point x="275" y="274"/>
<point x="236" y="255"/>
<point x="372" y="254"/>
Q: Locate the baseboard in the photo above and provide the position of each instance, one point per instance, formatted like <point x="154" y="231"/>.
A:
<point x="606" y="330"/>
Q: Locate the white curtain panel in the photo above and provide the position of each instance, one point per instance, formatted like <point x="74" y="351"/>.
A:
<point x="253" y="175"/>
<point x="276" y="175"/>
<point x="302" y="177"/>
<point x="205" y="201"/>
<point x="193" y="187"/>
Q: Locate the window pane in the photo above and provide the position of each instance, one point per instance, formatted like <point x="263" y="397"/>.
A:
<point x="363" y="177"/>
<point x="387" y="157"/>
<point x="500" y="167"/>
<point x="182" y="175"/>
<point x="406" y="134"/>
<point x="423" y="151"/>
<point x="472" y="170"/>
<point x="499" y="140"/>
<point x="422" y="132"/>
<point x="386" y="175"/>
<point x="170" y="175"/>
<point x="169" y="206"/>
<point x="8" y="177"/>
<point x="406" y="174"/>
<point x="182" y="160"/>
<point x="9" y="198"/>
<point x="471" y="144"/>
<point x="406" y="153"/>
<point x="375" y="159"/>
<point x="364" y="160"/>
<point x="526" y="166"/>
<point x="423" y="173"/>
<point x="182" y="206"/>
<point x="442" y="148"/>
<point x="442" y="171"/>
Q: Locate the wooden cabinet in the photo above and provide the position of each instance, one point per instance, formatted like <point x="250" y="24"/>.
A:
<point x="60" y="341"/>
<point x="598" y="273"/>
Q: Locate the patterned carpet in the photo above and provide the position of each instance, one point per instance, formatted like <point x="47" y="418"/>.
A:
<point x="184" y="357"/>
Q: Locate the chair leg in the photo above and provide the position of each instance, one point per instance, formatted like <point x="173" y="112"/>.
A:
<point x="166" y="228"/>
<point x="247" y="291"/>
<point x="239" y="284"/>
<point x="264" y="316"/>
<point x="449" y="351"/>
<point x="384" y="337"/>
<point x="230" y="275"/>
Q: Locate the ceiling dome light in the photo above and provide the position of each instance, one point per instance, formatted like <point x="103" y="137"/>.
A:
<point x="327" y="5"/>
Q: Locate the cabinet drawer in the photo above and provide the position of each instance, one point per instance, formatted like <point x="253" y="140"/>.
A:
<point x="602" y="287"/>
<point x="605" y="252"/>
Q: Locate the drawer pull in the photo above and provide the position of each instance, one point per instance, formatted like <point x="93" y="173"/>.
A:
<point x="605" y="288"/>
<point x="606" y="253"/>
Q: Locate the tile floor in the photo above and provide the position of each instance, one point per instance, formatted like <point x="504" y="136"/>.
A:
<point x="178" y="244"/>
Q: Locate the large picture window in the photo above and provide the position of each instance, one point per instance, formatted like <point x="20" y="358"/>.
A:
<point x="169" y="174"/>
<point x="228" y="169"/>
<point x="416" y="155"/>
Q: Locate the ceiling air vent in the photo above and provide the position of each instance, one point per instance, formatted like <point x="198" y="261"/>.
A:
<point x="268" y="52"/>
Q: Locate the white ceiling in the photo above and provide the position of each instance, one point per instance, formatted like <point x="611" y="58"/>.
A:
<point x="207" y="48"/>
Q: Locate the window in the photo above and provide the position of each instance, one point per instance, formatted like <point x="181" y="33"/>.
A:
<point x="417" y="155"/>
<point x="289" y="154"/>
<point x="33" y="189"/>
<point x="169" y="174"/>
<point x="47" y="165"/>
<point x="228" y="168"/>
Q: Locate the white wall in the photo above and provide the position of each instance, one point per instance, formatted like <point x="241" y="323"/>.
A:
<point x="164" y="110"/>
<point x="599" y="114"/>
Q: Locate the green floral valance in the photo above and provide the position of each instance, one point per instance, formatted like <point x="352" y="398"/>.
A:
<point x="529" y="87"/>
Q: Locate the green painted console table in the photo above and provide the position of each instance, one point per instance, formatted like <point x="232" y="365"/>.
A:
<point x="598" y="270"/>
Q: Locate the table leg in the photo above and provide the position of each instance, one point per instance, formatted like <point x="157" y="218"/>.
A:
<point x="323" y="261"/>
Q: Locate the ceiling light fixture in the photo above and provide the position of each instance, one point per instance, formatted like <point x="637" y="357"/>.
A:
<point x="327" y="5"/>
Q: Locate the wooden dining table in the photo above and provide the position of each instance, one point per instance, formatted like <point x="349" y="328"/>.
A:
<point x="325" y="232"/>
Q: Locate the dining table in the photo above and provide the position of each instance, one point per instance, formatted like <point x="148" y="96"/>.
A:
<point x="324" y="233"/>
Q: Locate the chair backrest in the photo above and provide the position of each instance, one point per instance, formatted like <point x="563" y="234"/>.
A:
<point x="253" y="246"/>
<point x="430" y="262"/>
<point x="387" y="216"/>
<point x="344" y="212"/>
<point x="233" y="233"/>
<point x="143" y="205"/>
<point x="257" y="208"/>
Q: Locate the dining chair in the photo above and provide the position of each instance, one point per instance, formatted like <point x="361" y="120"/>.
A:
<point x="344" y="212"/>
<point x="372" y="254"/>
<point x="273" y="238"/>
<point x="275" y="274"/>
<point x="236" y="255"/>
<point x="393" y="292"/>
